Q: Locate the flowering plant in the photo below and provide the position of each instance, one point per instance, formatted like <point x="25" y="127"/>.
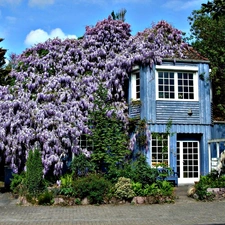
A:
<point x="55" y="82"/>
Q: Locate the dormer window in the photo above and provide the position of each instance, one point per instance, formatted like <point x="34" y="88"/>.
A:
<point x="177" y="83"/>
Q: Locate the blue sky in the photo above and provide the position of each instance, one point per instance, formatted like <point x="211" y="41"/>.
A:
<point x="24" y="23"/>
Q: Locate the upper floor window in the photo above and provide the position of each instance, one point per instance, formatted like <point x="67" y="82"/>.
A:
<point x="181" y="83"/>
<point x="135" y="85"/>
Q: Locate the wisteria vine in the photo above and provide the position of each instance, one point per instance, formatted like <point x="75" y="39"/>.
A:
<point x="55" y="84"/>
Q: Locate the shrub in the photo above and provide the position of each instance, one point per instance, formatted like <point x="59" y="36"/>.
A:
<point x="34" y="174"/>
<point x="151" y="190"/>
<point x="159" y="188"/>
<point x="94" y="187"/>
<point x="66" y="180"/>
<point x="66" y="187"/>
<point x="138" y="171"/>
<point x="17" y="185"/>
<point x="142" y="172"/>
<point x="137" y="188"/>
<point x="45" y="198"/>
<point x="165" y="187"/>
<point x="81" y="165"/>
<point x="204" y="183"/>
<point x="123" y="189"/>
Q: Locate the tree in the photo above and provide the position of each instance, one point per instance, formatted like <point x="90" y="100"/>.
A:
<point x="34" y="174"/>
<point x="3" y="71"/>
<point x="216" y="8"/>
<point x="208" y="38"/>
<point x="120" y="15"/>
<point x="56" y="82"/>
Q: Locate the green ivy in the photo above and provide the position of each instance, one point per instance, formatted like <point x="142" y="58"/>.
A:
<point x="109" y="138"/>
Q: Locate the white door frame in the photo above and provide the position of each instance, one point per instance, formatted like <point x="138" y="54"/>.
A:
<point x="181" y="161"/>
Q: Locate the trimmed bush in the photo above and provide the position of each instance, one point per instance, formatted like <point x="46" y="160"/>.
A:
<point x="34" y="174"/>
<point x="123" y="189"/>
<point x="94" y="187"/>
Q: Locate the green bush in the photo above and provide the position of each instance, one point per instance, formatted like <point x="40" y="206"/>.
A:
<point x="17" y="185"/>
<point x="67" y="191"/>
<point x="151" y="190"/>
<point x="138" y="171"/>
<point x="81" y="165"/>
<point x="66" y="180"/>
<point x="45" y="198"/>
<point x="143" y="172"/>
<point x="138" y="189"/>
<point x="159" y="188"/>
<point x="34" y="174"/>
<point x="208" y="181"/>
<point x="123" y="189"/>
<point x="165" y="187"/>
<point x="95" y="187"/>
<point x="66" y="187"/>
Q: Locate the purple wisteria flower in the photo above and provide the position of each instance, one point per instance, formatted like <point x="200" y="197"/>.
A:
<point x="56" y="83"/>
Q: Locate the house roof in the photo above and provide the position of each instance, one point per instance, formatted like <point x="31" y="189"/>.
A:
<point x="190" y="53"/>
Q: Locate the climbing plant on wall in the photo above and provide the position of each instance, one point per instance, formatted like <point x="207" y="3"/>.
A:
<point x="56" y="82"/>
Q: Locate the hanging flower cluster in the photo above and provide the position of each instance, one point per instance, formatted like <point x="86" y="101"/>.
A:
<point x="56" y="81"/>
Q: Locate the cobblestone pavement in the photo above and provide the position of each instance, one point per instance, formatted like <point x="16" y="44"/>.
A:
<point x="183" y="211"/>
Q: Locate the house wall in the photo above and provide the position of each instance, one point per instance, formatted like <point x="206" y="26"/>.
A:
<point x="157" y="113"/>
<point x="218" y="132"/>
<point x="200" y="133"/>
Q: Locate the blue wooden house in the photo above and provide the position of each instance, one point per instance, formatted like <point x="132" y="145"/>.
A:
<point x="180" y="92"/>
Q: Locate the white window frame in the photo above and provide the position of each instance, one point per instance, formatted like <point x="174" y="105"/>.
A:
<point x="134" y="84"/>
<point x="168" y="153"/>
<point x="176" y="70"/>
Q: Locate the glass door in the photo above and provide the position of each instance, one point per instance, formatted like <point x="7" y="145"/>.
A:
<point x="188" y="161"/>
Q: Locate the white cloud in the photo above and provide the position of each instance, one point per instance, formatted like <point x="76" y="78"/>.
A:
<point x="181" y="5"/>
<point x="41" y="2"/>
<point x="39" y="36"/>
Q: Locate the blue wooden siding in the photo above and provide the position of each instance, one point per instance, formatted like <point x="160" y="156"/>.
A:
<point x="218" y="132"/>
<point x="160" y="111"/>
<point x="177" y="111"/>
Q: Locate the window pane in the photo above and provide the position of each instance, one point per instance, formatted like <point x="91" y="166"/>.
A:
<point x="185" y="86"/>
<point x="160" y="81"/>
<point x="166" y="85"/>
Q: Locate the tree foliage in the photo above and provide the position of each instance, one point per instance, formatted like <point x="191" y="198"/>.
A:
<point x="216" y="8"/>
<point x="3" y="71"/>
<point x="56" y="82"/>
<point x="208" y="38"/>
<point x="34" y="174"/>
<point x="120" y="15"/>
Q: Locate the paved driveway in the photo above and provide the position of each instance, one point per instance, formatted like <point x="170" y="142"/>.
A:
<point x="183" y="211"/>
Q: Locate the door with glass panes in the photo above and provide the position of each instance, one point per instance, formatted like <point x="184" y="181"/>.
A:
<point x="188" y="161"/>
